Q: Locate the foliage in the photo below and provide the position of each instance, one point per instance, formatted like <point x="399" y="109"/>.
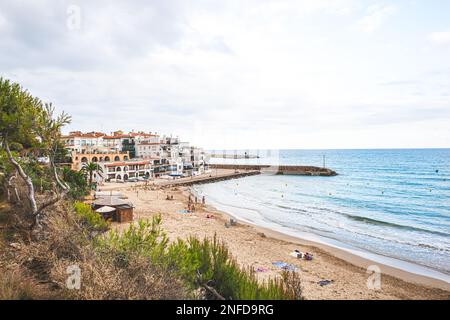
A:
<point x="93" y="219"/>
<point x="89" y="168"/>
<point x="77" y="182"/>
<point x="200" y="263"/>
<point x="145" y="239"/>
<point x="19" y="114"/>
<point x="28" y="126"/>
<point x="209" y="262"/>
<point x="62" y="154"/>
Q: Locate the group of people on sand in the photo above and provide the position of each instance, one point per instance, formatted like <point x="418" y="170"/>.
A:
<point x="301" y="255"/>
<point x="169" y="197"/>
<point x="192" y="203"/>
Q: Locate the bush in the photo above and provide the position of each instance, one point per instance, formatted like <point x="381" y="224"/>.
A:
<point x="205" y="264"/>
<point x="144" y="239"/>
<point x="69" y="243"/>
<point x="208" y="263"/>
<point x="15" y="286"/>
<point x="77" y="182"/>
<point x="93" y="219"/>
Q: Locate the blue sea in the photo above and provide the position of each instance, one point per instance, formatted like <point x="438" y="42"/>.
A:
<point x="392" y="205"/>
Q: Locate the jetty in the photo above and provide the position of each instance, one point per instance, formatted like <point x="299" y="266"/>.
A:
<point x="223" y="175"/>
<point x="282" y="169"/>
<point x="233" y="156"/>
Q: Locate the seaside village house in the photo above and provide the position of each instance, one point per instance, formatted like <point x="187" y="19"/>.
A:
<point x="113" y="208"/>
<point x="135" y="156"/>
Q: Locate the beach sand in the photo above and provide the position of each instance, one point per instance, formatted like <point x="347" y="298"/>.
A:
<point x="258" y="247"/>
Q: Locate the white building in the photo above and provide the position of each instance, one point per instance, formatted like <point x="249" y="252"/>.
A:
<point x="127" y="170"/>
<point x="148" y="147"/>
<point x="78" y="141"/>
<point x="125" y="156"/>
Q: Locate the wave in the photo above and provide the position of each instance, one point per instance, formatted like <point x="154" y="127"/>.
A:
<point x="393" y="225"/>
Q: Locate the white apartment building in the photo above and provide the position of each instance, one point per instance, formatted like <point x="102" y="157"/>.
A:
<point x="127" y="170"/>
<point x="148" y="147"/>
<point x="134" y="155"/>
<point x="78" y="141"/>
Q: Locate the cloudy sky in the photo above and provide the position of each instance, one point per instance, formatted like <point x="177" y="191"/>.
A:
<point x="240" y="74"/>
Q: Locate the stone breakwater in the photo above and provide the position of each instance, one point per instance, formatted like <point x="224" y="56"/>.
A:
<point x="282" y="169"/>
<point x="210" y="178"/>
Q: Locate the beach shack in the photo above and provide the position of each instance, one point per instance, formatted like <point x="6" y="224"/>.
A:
<point x="114" y="209"/>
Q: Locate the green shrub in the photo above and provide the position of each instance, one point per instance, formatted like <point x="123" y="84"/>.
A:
<point x="200" y="263"/>
<point x="90" y="217"/>
<point x="145" y="239"/>
<point x="209" y="262"/>
<point x="77" y="182"/>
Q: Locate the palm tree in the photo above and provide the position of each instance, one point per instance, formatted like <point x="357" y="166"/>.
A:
<point x="90" y="168"/>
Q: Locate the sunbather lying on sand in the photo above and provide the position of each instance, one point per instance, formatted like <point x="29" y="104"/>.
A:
<point x="301" y="255"/>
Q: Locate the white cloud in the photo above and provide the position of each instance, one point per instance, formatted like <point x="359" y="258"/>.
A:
<point x="440" y="38"/>
<point x="376" y="17"/>
<point x="231" y="74"/>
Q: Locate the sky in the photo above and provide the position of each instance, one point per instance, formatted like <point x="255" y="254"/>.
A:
<point x="240" y="74"/>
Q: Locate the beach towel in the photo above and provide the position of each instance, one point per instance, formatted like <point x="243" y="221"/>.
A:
<point x="325" y="282"/>
<point x="284" y="266"/>
<point x="279" y="264"/>
<point x="183" y="211"/>
<point x="259" y="269"/>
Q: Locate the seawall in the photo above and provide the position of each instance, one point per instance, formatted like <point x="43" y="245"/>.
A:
<point x="211" y="178"/>
<point x="283" y="169"/>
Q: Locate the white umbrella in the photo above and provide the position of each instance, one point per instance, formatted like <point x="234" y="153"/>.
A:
<point x="105" y="209"/>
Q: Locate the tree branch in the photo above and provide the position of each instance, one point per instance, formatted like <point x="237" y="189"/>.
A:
<point x="62" y="184"/>
<point x="25" y="177"/>
<point x="214" y="292"/>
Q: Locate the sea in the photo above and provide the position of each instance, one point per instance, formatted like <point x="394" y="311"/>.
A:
<point x="387" y="205"/>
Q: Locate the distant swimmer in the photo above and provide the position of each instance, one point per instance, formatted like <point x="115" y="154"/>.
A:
<point x="437" y="171"/>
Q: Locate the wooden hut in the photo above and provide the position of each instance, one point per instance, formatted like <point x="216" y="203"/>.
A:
<point x="124" y="213"/>
<point x="122" y="210"/>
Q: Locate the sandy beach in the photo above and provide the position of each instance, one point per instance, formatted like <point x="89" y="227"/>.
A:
<point x="259" y="248"/>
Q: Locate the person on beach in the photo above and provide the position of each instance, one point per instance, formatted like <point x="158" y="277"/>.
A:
<point x="191" y="207"/>
<point x="203" y="200"/>
<point x="196" y="201"/>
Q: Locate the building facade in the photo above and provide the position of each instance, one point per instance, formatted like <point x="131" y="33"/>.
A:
<point x="135" y="155"/>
